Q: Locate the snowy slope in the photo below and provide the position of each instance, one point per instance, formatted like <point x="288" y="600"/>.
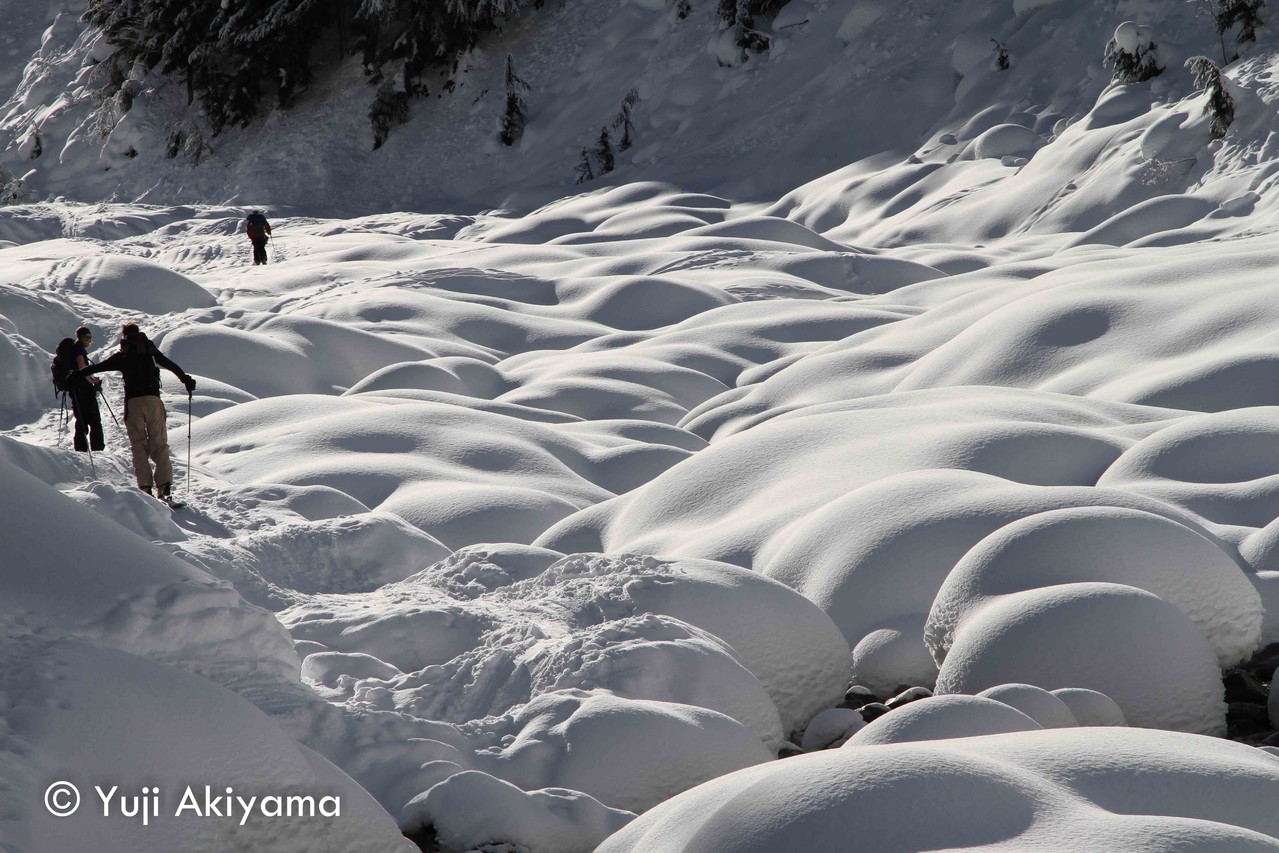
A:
<point x="562" y="521"/>
<point x="846" y="81"/>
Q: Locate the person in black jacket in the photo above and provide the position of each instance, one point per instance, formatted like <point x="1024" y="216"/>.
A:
<point x="139" y="362"/>
<point x="84" y="398"/>
<point x="259" y="231"/>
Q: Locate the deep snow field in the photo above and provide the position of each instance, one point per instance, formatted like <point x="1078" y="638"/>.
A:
<point x="713" y="463"/>
<point x="549" y="528"/>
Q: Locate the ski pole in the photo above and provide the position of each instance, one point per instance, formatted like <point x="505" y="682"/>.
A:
<point x="188" y="444"/>
<point x="109" y="409"/>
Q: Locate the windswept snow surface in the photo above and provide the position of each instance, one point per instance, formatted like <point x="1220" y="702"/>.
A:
<point x="549" y="528"/>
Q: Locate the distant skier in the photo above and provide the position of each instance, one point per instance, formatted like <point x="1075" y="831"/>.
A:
<point x="84" y="397"/>
<point x="144" y="416"/>
<point x="259" y="230"/>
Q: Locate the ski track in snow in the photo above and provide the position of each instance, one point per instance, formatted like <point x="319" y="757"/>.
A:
<point x="552" y="526"/>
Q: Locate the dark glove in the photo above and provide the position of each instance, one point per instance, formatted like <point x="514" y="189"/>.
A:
<point x="189" y="381"/>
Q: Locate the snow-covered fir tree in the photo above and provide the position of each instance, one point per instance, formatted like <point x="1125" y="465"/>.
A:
<point x="1220" y="106"/>
<point x="584" y="171"/>
<point x="1246" y="14"/>
<point x="742" y="15"/>
<point x="623" y="120"/>
<point x="516" y="114"/>
<point x="1001" y="55"/>
<point x="1133" y="54"/>
<point x="604" y="151"/>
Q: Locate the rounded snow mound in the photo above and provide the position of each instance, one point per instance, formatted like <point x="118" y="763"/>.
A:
<point x="1105" y="544"/>
<point x="942" y="718"/>
<point x="1224" y="466"/>
<point x="347" y="554"/>
<point x="1091" y="708"/>
<point x="470" y="809"/>
<point x="877" y="573"/>
<point x="24" y="374"/>
<point x="454" y="374"/>
<point x="629" y="754"/>
<point x="1045" y="708"/>
<point x="108" y="718"/>
<point x="482" y="634"/>
<point x="136" y="284"/>
<point x="148" y="603"/>
<point x="1124" y="642"/>
<point x="1102" y="789"/>
<point x="1006" y="140"/>
<point x="831" y="728"/>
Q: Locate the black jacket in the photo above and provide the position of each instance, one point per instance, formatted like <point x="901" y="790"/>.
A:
<point x="139" y="362"/>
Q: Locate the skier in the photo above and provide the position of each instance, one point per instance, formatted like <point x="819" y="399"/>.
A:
<point x="258" y="230"/>
<point x="84" y="397"/>
<point x="144" y="416"/>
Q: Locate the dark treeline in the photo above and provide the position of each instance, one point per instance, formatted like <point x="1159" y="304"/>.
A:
<point x="238" y="56"/>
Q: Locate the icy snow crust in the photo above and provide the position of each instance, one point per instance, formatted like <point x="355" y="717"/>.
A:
<point x="536" y="520"/>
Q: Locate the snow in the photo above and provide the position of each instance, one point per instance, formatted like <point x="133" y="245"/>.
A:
<point x="1025" y="789"/>
<point x="176" y="730"/>
<point x="1107" y="544"/>
<point x="831" y="728"/>
<point x="552" y="514"/>
<point x="944" y="718"/>
<point x="470" y="809"/>
<point x="1090" y="708"/>
<point x="1126" y="643"/>
<point x="1047" y="709"/>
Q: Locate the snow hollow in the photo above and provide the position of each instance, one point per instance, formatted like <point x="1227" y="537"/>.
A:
<point x="885" y="448"/>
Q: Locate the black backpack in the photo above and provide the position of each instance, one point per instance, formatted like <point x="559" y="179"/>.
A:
<point x="256" y="225"/>
<point x="63" y="364"/>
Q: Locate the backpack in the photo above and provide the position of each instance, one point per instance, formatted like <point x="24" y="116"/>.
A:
<point x="141" y="373"/>
<point x="63" y="364"/>
<point x="256" y="225"/>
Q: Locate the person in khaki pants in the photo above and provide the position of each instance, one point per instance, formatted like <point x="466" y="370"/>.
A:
<point x="139" y="362"/>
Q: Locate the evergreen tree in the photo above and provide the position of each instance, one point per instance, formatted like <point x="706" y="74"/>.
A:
<point x="742" y="14"/>
<point x="238" y="57"/>
<point x="682" y="9"/>
<point x="584" y="171"/>
<point x="516" y="115"/>
<point x="1220" y="106"/>
<point x="623" y="120"/>
<point x="1245" y="13"/>
<point x="1001" y="55"/>
<point x="390" y="108"/>
<point x="1133" y="53"/>
<point x="604" y="151"/>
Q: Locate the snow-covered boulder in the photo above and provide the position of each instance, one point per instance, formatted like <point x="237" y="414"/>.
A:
<point x="1090" y="708"/>
<point x="942" y="718"/>
<point x="831" y="728"/>
<point x="688" y="631"/>
<point x="470" y="810"/>
<point x="628" y="754"/>
<point x="1112" y="545"/>
<point x="1091" y="789"/>
<point x="1045" y="708"/>
<point x="136" y="284"/>
<point x="1005" y="140"/>
<point x="120" y="722"/>
<point x="1124" y="642"/>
